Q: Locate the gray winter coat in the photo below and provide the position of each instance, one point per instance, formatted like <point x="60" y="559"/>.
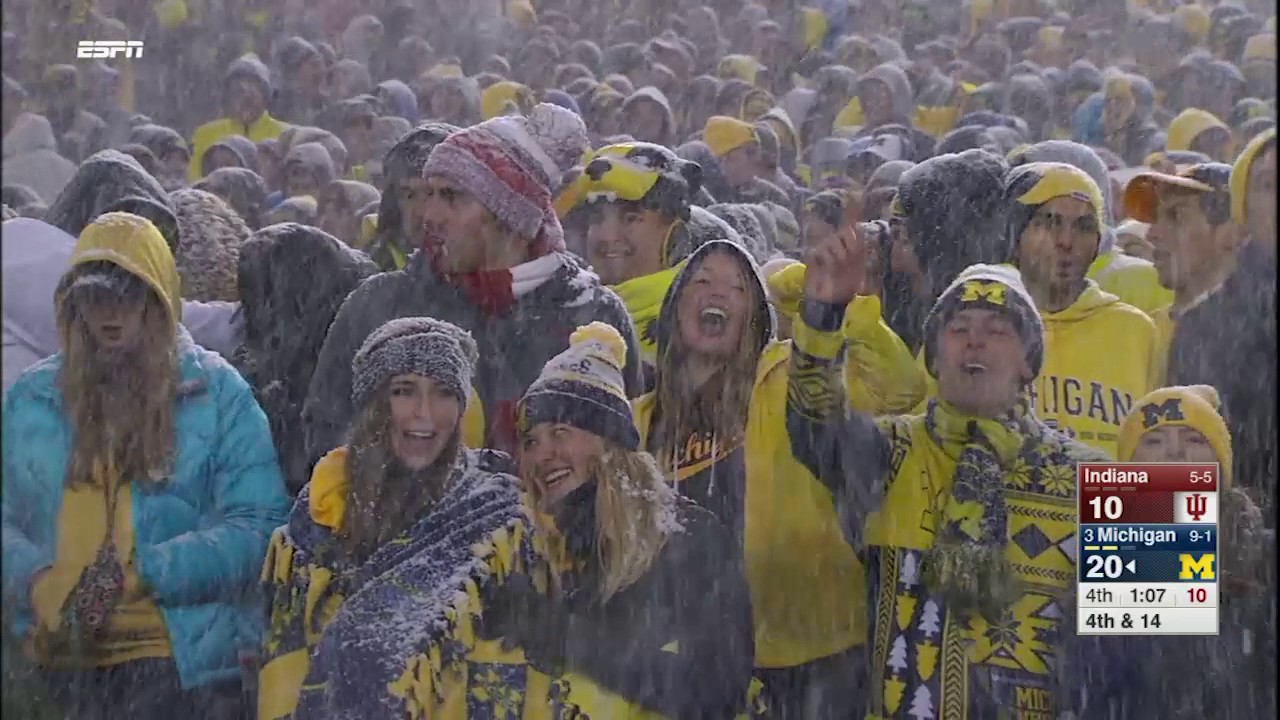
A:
<point x="513" y="347"/>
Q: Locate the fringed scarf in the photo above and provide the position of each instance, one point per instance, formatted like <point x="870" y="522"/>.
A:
<point x="967" y="565"/>
<point x="385" y="649"/>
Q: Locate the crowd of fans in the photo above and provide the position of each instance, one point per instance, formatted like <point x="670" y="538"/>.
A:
<point x="579" y="358"/>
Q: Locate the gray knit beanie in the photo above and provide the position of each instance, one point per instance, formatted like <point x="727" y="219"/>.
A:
<point x="422" y="346"/>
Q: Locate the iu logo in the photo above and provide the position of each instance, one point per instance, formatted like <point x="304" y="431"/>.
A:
<point x="1200" y="508"/>
<point x="1197" y="506"/>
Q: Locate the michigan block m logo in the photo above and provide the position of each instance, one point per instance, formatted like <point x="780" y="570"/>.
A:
<point x="109" y="48"/>
<point x="1196" y="567"/>
<point x="1170" y="411"/>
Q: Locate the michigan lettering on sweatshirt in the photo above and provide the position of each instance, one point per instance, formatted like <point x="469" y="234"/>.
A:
<point x="1098" y="360"/>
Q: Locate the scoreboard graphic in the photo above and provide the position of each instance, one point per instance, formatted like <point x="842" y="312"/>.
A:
<point x="1148" y="548"/>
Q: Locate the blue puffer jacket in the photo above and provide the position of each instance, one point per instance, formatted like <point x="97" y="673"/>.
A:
<point x="200" y="538"/>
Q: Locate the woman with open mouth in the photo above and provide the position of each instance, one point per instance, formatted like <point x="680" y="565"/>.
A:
<point x="722" y="424"/>
<point x="382" y="545"/>
<point x="646" y="588"/>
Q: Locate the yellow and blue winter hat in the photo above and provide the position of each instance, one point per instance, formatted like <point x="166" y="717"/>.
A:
<point x="988" y="287"/>
<point x="643" y="173"/>
<point x="1193" y="406"/>
<point x="1029" y="186"/>
<point x="583" y="387"/>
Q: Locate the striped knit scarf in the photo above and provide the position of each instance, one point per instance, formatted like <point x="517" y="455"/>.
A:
<point x="967" y="565"/>
<point x="417" y="600"/>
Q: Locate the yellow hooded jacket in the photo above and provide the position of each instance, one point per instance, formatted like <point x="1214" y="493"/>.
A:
<point x="137" y="628"/>
<point x="1099" y="358"/>
<point x="1133" y="280"/>
<point x="807" y="584"/>
<point x="880" y="375"/>
<point x="264" y="128"/>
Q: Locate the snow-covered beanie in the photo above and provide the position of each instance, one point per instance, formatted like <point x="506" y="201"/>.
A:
<point x="988" y="287"/>
<point x="422" y="346"/>
<point x="514" y="165"/>
<point x="583" y="387"/>
<point x="1029" y="186"/>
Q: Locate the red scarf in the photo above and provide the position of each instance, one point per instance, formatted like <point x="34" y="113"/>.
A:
<point x="489" y="290"/>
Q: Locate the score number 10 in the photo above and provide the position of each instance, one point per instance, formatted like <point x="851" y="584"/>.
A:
<point x="1110" y="507"/>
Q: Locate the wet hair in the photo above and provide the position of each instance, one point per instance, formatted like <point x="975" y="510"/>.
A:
<point x="120" y="406"/>
<point x="383" y="497"/>
<point x="632" y="500"/>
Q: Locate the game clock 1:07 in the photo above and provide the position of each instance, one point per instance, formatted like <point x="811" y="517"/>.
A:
<point x="1148" y="595"/>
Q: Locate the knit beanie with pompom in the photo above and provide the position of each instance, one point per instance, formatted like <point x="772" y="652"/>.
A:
<point x="583" y="387"/>
<point x="513" y="165"/>
<point x="422" y="346"/>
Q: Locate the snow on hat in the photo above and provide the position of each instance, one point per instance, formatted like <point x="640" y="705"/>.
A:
<point x="1194" y="406"/>
<point x="414" y="345"/>
<point x="988" y="287"/>
<point x="513" y="165"/>
<point x="583" y="387"/>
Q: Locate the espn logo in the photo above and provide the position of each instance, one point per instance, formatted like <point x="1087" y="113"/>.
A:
<point x="109" y="49"/>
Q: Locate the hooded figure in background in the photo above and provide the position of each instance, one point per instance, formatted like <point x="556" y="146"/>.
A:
<point x="647" y="117"/>
<point x="1127" y="126"/>
<point x="948" y="216"/>
<point x="340" y="205"/>
<point x="235" y="151"/>
<point x="171" y="153"/>
<point x="308" y="169"/>
<point x="1030" y="98"/>
<point x="750" y="228"/>
<point x="303" y="82"/>
<point x="454" y="101"/>
<point x="210" y="234"/>
<point x="398" y="99"/>
<point x="291" y="280"/>
<point x="107" y="182"/>
<point x="399" y="230"/>
<point x="31" y="157"/>
<point x="241" y="189"/>
<point x="246" y="94"/>
<point x="79" y="132"/>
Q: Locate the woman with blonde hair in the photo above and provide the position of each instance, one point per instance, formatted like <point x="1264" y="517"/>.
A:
<point x="647" y="592"/>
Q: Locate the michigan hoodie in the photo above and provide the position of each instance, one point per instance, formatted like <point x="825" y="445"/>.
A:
<point x="1098" y="360"/>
